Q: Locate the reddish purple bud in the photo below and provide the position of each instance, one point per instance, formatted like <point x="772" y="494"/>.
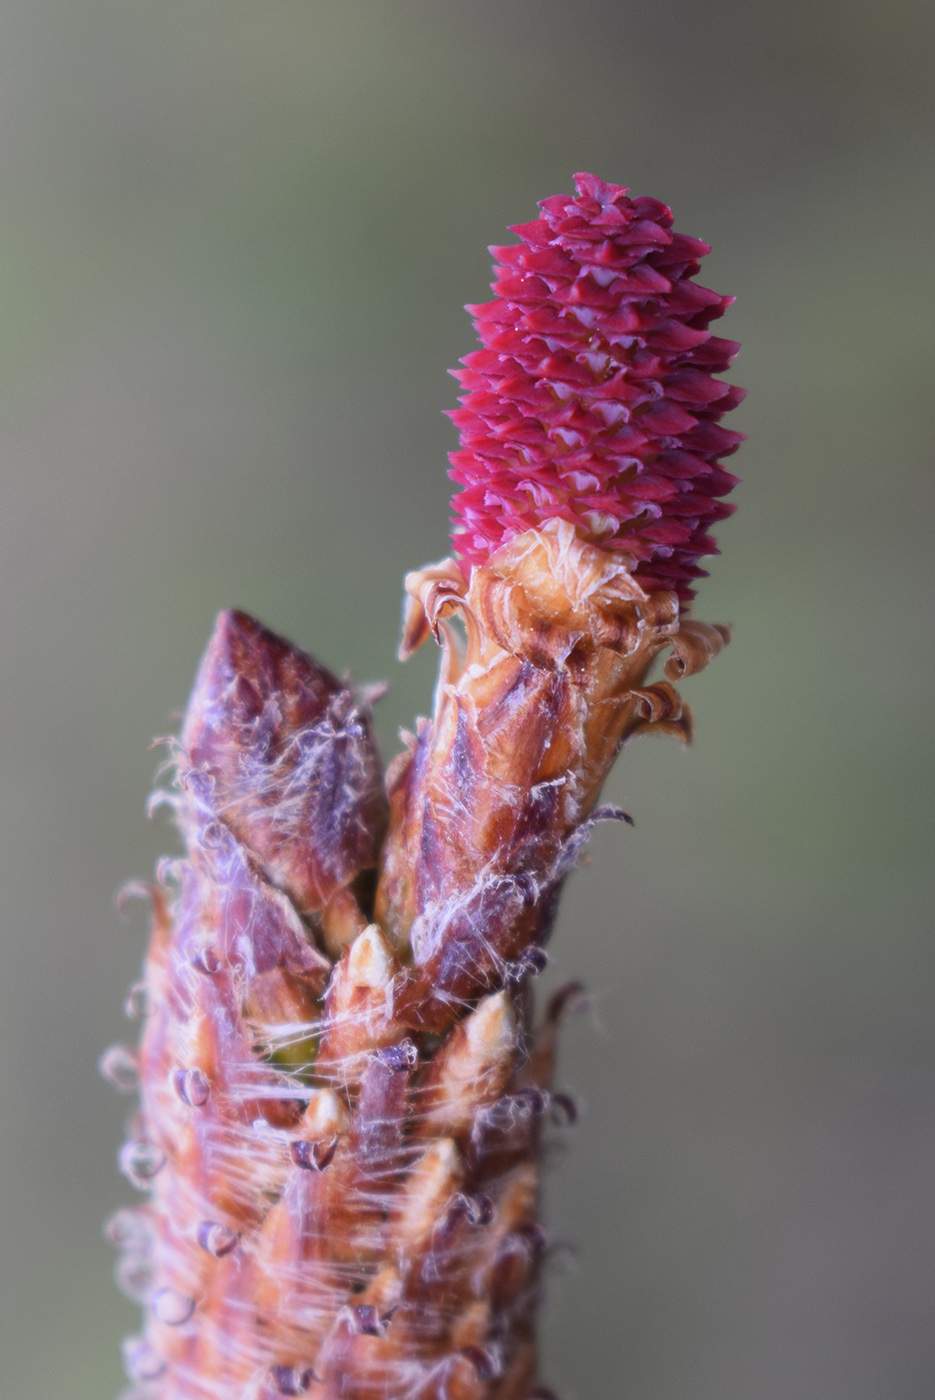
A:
<point x="593" y="399"/>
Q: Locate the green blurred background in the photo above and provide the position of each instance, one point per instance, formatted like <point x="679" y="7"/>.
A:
<point x="235" y="241"/>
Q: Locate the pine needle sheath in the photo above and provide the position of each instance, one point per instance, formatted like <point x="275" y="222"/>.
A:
<point x="344" y="1084"/>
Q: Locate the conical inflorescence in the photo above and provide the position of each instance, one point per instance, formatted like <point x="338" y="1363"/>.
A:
<point x="594" y="399"/>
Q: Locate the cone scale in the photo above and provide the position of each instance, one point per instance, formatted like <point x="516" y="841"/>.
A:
<point x="345" y="1085"/>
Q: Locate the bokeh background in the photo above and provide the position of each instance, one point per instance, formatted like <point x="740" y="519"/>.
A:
<point x="235" y="240"/>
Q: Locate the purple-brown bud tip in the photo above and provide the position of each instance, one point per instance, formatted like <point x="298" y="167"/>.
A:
<point x="254" y="691"/>
<point x="290" y="758"/>
<point x="594" y="398"/>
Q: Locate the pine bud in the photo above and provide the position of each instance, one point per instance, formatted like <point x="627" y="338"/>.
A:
<point x="344" y="1094"/>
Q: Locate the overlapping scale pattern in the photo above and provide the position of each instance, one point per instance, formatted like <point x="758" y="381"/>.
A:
<point x="595" y="398"/>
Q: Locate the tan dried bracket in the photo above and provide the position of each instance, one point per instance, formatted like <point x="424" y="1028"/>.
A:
<point x="550" y="598"/>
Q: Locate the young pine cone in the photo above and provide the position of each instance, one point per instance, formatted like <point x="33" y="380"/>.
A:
<point x="344" y="1084"/>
